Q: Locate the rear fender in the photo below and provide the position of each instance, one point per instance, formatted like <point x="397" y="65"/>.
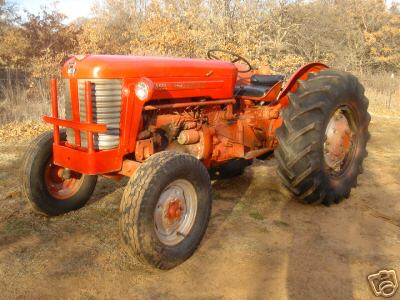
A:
<point x="301" y="74"/>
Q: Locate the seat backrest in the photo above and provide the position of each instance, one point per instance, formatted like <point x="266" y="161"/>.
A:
<point x="269" y="80"/>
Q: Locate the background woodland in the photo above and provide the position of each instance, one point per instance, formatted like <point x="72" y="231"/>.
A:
<point x="361" y="36"/>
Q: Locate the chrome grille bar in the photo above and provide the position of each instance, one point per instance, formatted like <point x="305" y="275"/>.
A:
<point x="106" y="108"/>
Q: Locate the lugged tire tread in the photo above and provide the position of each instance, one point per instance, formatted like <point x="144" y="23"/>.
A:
<point x="298" y="156"/>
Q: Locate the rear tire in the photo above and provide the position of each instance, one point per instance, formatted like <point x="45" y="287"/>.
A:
<point x="41" y="185"/>
<point x="165" y="209"/>
<point x="309" y="166"/>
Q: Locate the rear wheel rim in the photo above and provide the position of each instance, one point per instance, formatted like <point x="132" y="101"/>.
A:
<point x="58" y="186"/>
<point x="175" y="212"/>
<point x="340" y="141"/>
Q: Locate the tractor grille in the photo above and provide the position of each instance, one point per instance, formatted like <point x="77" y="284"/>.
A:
<point x="106" y="107"/>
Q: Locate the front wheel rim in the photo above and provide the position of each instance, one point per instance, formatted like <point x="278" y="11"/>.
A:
<point x="57" y="185"/>
<point x="175" y="212"/>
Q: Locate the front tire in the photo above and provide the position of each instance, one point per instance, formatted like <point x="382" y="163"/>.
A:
<point x="322" y="142"/>
<point x="43" y="184"/>
<point x="165" y="209"/>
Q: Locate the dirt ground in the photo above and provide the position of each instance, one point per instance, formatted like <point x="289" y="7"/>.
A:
<point x="261" y="243"/>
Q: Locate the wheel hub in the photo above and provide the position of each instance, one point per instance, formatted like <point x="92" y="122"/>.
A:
<point x="175" y="212"/>
<point x="59" y="185"/>
<point x="338" y="141"/>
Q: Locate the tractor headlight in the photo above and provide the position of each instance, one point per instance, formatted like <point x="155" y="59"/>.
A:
<point x="144" y="89"/>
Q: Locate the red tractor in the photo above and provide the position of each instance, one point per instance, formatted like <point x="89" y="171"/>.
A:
<point x="170" y="123"/>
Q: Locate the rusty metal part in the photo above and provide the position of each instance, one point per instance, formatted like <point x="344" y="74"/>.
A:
<point x="113" y="176"/>
<point x="197" y="150"/>
<point x="338" y="141"/>
<point x="145" y="134"/>
<point x="256" y="153"/>
<point x="188" y="104"/>
<point x="217" y="135"/>
<point x="189" y="125"/>
<point x="129" y="167"/>
<point x="66" y="173"/>
<point x="175" y="212"/>
<point x="202" y="149"/>
<point x="144" y="148"/>
<point x="59" y="187"/>
<point x="188" y="137"/>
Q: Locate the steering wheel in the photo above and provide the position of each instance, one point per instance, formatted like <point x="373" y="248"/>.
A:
<point x="212" y="54"/>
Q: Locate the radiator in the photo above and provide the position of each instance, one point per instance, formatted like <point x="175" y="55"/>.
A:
<point x="106" y="107"/>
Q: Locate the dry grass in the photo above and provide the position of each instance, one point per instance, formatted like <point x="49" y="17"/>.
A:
<point x="260" y="243"/>
<point x="22" y="101"/>
<point x="19" y="102"/>
<point x="15" y="131"/>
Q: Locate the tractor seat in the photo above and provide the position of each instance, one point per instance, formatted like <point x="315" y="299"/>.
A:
<point x="259" y="85"/>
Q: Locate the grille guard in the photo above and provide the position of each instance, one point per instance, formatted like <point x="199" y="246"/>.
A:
<point x="95" y="128"/>
<point x="89" y="126"/>
<point x="83" y="160"/>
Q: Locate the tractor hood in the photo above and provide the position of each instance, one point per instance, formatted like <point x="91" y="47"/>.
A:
<point x="119" y="67"/>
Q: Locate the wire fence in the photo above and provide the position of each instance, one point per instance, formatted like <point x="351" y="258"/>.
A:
<point x="22" y="98"/>
<point x="383" y="90"/>
<point x="12" y="75"/>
